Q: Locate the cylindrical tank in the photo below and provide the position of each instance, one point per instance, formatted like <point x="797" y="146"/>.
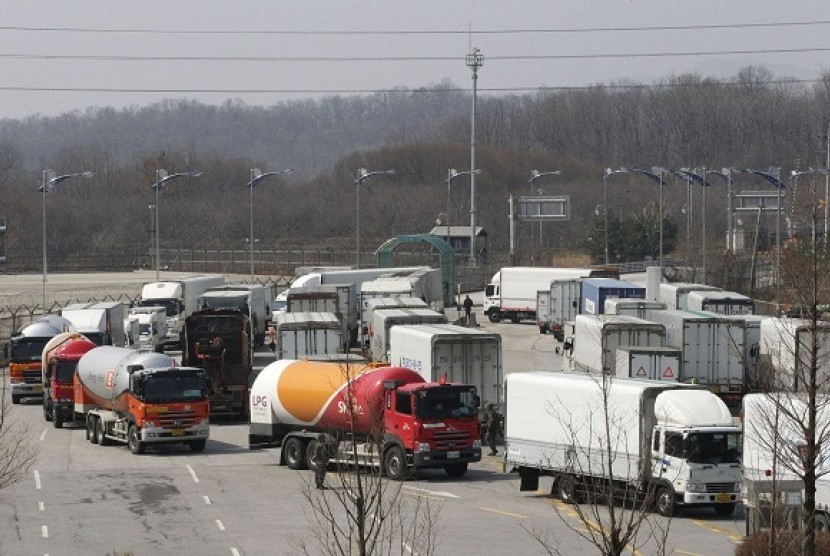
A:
<point x="316" y="394"/>
<point x="71" y="345"/>
<point x="103" y="370"/>
<point x="46" y="327"/>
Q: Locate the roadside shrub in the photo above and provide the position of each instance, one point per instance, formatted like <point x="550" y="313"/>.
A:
<point x="787" y="543"/>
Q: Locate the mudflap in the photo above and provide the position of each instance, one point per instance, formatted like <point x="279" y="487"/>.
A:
<point x="528" y="479"/>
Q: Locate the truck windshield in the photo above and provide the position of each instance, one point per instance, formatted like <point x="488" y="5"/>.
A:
<point x="714" y="447"/>
<point x="26" y="350"/>
<point x="166" y="388"/>
<point x="171" y="306"/>
<point x="144" y="329"/>
<point x="64" y="371"/>
<point x="447" y="401"/>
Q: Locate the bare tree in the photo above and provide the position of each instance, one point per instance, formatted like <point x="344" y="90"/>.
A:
<point x="16" y="453"/>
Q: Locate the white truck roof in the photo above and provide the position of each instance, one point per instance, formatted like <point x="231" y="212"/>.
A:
<point x="305" y="320"/>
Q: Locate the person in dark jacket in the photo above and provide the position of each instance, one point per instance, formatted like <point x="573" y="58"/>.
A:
<point x="321" y="455"/>
<point x="468" y="307"/>
<point x="493" y="422"/>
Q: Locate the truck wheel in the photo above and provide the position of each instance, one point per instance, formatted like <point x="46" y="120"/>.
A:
<point x="293" y="452"/>
<point x="134" y="442"/>
<point x="197" y="445"/>
<point x="456" y="469"/>
<point x="664" y="502"/>
<point x="47" y="415"/>
<point x="515" y="320"/>
<point x="90" y="430"/>
<point x="394" y="463"/>
<point x="15" y="399"/>
<point x="57" y="420"/>
<point x="312" y="462"/>
<point x="729" y="509"/>
<point x="567" y="489"/>
<point x="494" y="316"/>
<point x="101" y="433"/>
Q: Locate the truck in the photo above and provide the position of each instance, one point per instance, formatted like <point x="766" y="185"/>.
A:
<point x="255" y="299"/>
<point x="425" y="284"/>
<point x="713" y="350"/>
<point x="511" y="293"/>
<point x="785" y="352"/>
<point x="450" y="352"/>
<point x="672" y="444"/>
<point x="674" y="294"/>
<point x="632" y="307"/>
<point x="593" y="347"/>
<point x="562" y="301"/>
<point x="384" y="319"/>
<point x="179" y="298"/>
<point x="752" y="346"/>
<point x="720" y="302"/>
<point x="594" y="291"/>
<point x="25" y="351"/>
<point x="152" y="327"/>
<point x="101" y="322"/>
<point x="217" y="341"/>
<point x="340" y="299"/>
<point x="652" y="363"/>
<point x="140" y="399"/>
<point x="389" y="416"/>
<point x="59" y="362"/>
<point x="301" y="334"/>
<point x="375" y="303"/>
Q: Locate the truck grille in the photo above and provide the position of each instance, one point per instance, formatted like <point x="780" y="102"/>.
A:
<point x="720" y="487"/>
<point x="32" y="377"/>
<point x="177" y="419"/>
<point x="451" y="440"/>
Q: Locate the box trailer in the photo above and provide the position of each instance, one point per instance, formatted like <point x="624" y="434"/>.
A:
<point x="564" y="304"/>
<point x="101" y="322"/>
<point x="786" y="352"/>
<point x="384" y="319"/>
<point x="674" y="294"/>
<point x="595" y="290"/>
<point x="340" y="299"/>
<point x="596" y="338"/>
<point x="651" y="363"/>
<point x="632" y="307"/>
<point x="299" y="335"/>
<point x="720" y="302"/>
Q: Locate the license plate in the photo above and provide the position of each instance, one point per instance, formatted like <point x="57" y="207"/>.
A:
<point x="178" y="432"/>
<point x="37" y="388"/>
<point x="722" y="498"/>
<point x="453" y="455"/>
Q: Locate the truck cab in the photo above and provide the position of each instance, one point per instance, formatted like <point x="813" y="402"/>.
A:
<point x="25" y="351"/>
<point x="60" y="363"/>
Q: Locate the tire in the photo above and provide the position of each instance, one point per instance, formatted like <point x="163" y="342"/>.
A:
<point x="728" y="509"/>
<point x="57" y="420"/>
<point x="394" y="463"/>
<point x="197" y="445"/>
<point x="15" y="399"/>
<point x="515" y="320"/>
<point x="100" y="433"/>
<point x="134" y="442"/>
<point x="90" y="430"/>
<point x="293" y="453"/>
<point x="494" y="316"/>
<point x="664" y="502"/>
<point x="456" y="469"/>
<point x="311" y="460"/>
<point x="567" y="489"/>
<point x="47" y="415"/>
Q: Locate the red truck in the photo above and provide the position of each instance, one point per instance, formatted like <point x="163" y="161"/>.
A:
<point x="389" y="415"/>
<point x="59" y="363"/>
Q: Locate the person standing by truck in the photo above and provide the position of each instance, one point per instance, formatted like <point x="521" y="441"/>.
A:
<point x="493" y="422"/>
<point x="468" y="308"/>
<point x="321" y="456"/>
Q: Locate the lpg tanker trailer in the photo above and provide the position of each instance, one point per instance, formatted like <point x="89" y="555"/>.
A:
<point x="140" y="399"/>
<point x="59" y="363"/>
<point x="382" y="416"/>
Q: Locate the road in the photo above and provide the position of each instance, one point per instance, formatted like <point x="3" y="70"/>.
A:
<point x="81" y="498"/>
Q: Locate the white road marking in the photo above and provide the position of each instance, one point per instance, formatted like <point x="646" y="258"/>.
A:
<point x="220" y="524"/>
<point x="44" y="530"/>
<point x="207" y="500"/>
<point x="37" y="479"/>
<point x="43" y="434"/>
<point x="234" y="551"/>
<point x="41" y="506"/>
<point x="433" y="492"/>
<point x="192" y="474"/>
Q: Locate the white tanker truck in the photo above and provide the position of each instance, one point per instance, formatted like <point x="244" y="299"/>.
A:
<point x="140" y="399"/>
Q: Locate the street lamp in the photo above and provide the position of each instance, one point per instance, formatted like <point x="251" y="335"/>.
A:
<point x="608" y="172"/>
<point x="162" y="177"/>
<point x="48" y="182"/>
<point x="656" y="174"/>
<point x="256" y="177"/>
<point x="535" y="175"/>
<point x="698" y="175"/>
<point x="362" y="175"/>
<point x="726" y="175"/>
<point x="452" y="173"/>
<point x="794" y="174"/>
<point x="474" y="60"/>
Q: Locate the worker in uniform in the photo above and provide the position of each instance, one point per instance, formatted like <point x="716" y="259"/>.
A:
<point x="321" y="456"/>
<point x="493" y="422"/>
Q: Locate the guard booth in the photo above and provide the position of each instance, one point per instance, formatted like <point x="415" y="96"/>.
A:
<point x="768" y="500"/>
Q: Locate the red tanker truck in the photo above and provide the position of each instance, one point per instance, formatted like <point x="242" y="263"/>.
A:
<point x="140" y="399"/>
<point x="59" y="362"/>
<point x="399" y="421"/>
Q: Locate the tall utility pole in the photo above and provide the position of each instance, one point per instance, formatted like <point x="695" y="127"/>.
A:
<point x="474" y="61"/>
<point x="826" y="185"/>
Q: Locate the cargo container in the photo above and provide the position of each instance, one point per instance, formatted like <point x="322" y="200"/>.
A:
<point x="384" y="319"/>
<point x="303" y="334"/>
<point x="375" y="303"/>
<point x="650" y="363"/>
<point x="340" y="299"/>
<point x="425" y="284"/>
<point x="720" y="302"/>
<point x="674" y="294"/>
<point x="786" y="352"/>
<point x="593" y="347"/>
<point x="101" y="322"/>
<point x="563" y="299"/>
<point x="594" y="291"/>
<point x="632" y="307"/>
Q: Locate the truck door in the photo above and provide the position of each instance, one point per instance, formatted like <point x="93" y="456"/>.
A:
<point x="658" y="452"/>
<point x="399" y="416"/>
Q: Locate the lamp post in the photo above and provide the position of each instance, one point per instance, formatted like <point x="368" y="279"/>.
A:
<point x="48" y="182"/>
<point x="726" y="175"/>
<point x="795" y="174"/>
<point x="656" y="174"/>
<point x="608" y="172"/>
<point x="698" y="175"/>
<point x="162" y="177"/>
<point x="256" y="177"/>
<point x="362" y="175"/>
<point x="535" y="175"/>
<point x="452" y="173"/>
<point x="474" y="60"/>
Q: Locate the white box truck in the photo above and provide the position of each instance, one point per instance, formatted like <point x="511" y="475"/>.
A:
<point x="593" y="347"/>
<point x="179" y="298"/>
<point x="674" y="294"/>
<point x="650" y="363"/>
<point x="752" y="346"/>
<point x="785" y="352"/>
<point x="564" y="305"/>
<point x="375" y="303"/>
<point x="384" y="319"/>
<point x="543" y="311"/>
<point x="632" y="307"/>
<point x="101" y="322"/>
<point x="668" y="442"/>
<point x="713" y="350"/>
<point x="253" y="299"/>
<point x="303" y="334"/>
<point x="458" y="353"/>
<point x="425" y="284"/>
<point x="720" y="302"/>
<point x="340" y="299"/>
<point x="152" y="327"/>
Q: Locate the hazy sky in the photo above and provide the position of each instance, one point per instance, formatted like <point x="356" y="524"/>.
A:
<point x="112" y="53"/>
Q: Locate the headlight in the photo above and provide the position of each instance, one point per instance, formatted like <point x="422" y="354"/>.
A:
<point x="477" y="443"/>
<point x="695" y="487"/>
<point x="422" y="447"/>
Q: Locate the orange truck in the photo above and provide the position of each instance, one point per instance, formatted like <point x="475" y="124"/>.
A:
<point x="389" y="416"/>
<point x="59" y="362"/>
<point x="25" y="352"/>
<point x="141" y="399"/>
